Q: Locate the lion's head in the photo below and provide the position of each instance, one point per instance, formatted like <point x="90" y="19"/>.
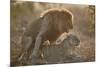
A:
<point x="59" y="19"/>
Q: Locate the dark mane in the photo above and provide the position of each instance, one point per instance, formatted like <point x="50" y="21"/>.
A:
<point x="59" y="19"/>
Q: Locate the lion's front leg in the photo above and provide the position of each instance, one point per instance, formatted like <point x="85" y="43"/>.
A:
<point x="37" y="45"/>
<point x="35" y="52"/>
<point x="45" y="44"/>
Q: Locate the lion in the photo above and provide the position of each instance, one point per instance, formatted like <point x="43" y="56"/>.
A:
<point x="62" y="52"/>
<point x="51" y="24"/>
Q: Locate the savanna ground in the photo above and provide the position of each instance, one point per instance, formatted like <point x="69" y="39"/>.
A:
<point x="24" y="13"/>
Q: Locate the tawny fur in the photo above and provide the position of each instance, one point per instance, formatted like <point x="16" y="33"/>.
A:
<point x="51" y="24"/>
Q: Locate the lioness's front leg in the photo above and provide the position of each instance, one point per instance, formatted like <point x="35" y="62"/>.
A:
<point x="61" y="38"/>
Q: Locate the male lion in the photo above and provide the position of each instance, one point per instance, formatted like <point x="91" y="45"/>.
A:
<point x="51" y="24"/>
